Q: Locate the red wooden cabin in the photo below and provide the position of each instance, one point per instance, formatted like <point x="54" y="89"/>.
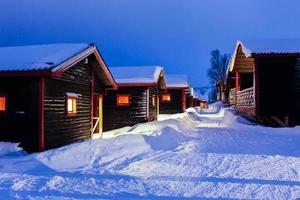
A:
<point x="173" y="100"/>
<point x="51" y="95"/>
<point x="137" y="97"/>
<point x="263" y="79"/>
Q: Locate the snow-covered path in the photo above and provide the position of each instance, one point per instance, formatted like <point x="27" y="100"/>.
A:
<point x="196" y="155"/>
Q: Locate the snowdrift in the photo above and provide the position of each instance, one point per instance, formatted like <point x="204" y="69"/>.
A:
<point x="8" y="148"/>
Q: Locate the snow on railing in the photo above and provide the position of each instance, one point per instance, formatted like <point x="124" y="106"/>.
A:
<point x="246" y="97"/>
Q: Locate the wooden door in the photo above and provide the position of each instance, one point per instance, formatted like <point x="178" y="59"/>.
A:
<point x="97" y="113"/>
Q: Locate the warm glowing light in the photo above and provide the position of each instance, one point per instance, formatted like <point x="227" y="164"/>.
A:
<point x="166" y="97"/>
<point x="71" y="105"/>
<point x="123" y="100"/>
<point x="2" y="103"/>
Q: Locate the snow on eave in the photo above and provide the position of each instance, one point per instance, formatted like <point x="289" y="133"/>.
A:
<point x="266" y="47"/>
<point x="137" y="75"/>
<point x="247" y="52"/>
<point x="38" y="57"/>
<point x="92" y="49"/>
<point x="177" y="81"/>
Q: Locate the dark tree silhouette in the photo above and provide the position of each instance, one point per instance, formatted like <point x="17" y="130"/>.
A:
<point x="217" y="74"/>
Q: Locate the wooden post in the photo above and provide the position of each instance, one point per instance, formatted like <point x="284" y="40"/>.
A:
<point x="148" y="104"/>
<point x="41" y="135"/>
<point x="157" y="103"/>
<point x="256" y="87"/>
<point x="183" y="99"/>
<point x="236" y="86"/>
<point x="92" y="103"/>
<point x="237" y="81"/>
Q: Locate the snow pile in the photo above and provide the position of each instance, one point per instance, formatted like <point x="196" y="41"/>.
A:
<point x="93" y="154"/>
<point x="198" y="154"/>
<point x="128" y="142"/>
<point x="8" y="147"/>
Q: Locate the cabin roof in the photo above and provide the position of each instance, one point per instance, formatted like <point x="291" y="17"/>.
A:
<point x="38" y="57"/>
<point x="50" y="60"/>
<point x="177" y="81"/>
<point x="137" y="74"/>
<point x="269" y="46"/>
<point x="249" y="49"/>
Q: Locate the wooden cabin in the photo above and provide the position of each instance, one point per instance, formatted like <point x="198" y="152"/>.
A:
<point x="137" y="98"/>
<point x="51" y="95"/>
<point x="189" y="98"/>
<point x="173" y="100"/>
<point x="203" y="104"/>
<point x="263" y="80"/>
<point x="196" y="101"/>
<point x="202" y="98"/>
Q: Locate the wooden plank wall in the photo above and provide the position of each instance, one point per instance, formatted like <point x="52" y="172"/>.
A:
<point x="297" y="91"/>
<point x="276" y="87"/>
<point x="153" y="92"/>
<point x="61" y="129"/>
<point x="175" y="105"/>
<point x="20" y="124"/>
<point x="121" y="116"/>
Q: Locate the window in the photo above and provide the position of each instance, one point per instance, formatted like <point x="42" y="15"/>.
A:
<point x="3" y="104"/>
<point x="71" y="105"/>
<point x="123" y="99"/>
<point x="165" y="97"/>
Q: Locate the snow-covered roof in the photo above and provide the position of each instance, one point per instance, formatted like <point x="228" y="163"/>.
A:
<point x="264" y="47"/>
<point x="177" y="81"/>
<point x="136" y="74"/>
<point x="38" y="57"/>
<point x="269" y="46"/>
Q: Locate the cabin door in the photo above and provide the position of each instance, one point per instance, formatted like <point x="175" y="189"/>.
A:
<point x="97" y="114"/>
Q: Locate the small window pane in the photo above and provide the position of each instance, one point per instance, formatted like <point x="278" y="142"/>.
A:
<point x="2" y="103"/>
<point x="123" y="100"/>
<point x="166" y="97"/>
<point x="71" y="105"/>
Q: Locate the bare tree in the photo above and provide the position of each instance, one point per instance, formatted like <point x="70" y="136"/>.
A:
<point x="217" y="73"/>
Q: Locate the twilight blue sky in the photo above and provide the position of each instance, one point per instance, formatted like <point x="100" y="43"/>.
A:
<point x="177" y="34"/>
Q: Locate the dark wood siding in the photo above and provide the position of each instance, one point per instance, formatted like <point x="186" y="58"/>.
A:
<point x="121" y="116"/>
<point x="98" y="84"/>
<point x="173" y="106"/>
<point x="297" y="91"/>
<point x="20" y="124"/>
<point x="153" y="92"/>
<point x="189" y="101"/>
<point x="61" y="129"/>
<point x="276" y="94"/>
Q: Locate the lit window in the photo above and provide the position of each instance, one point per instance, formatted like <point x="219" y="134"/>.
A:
<point x="71" y="105"/>
<point x="123" y="100"/>
<point x="3" y="104"/>
<point x="165" y="97"/>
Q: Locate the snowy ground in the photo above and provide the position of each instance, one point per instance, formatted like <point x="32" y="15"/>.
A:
<point x="195" y="155"/>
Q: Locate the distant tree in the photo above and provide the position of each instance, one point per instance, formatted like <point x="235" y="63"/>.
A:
<point x="217" y="74"/>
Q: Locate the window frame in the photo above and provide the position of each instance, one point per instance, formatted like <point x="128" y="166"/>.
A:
<point x="4" y="112"/>
<point x="122" y="104"/>
<point x="166" y="101"/>
<point x="67" y="104"/>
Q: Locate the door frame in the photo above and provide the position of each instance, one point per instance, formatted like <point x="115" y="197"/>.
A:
<point x="99" y="120"/>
